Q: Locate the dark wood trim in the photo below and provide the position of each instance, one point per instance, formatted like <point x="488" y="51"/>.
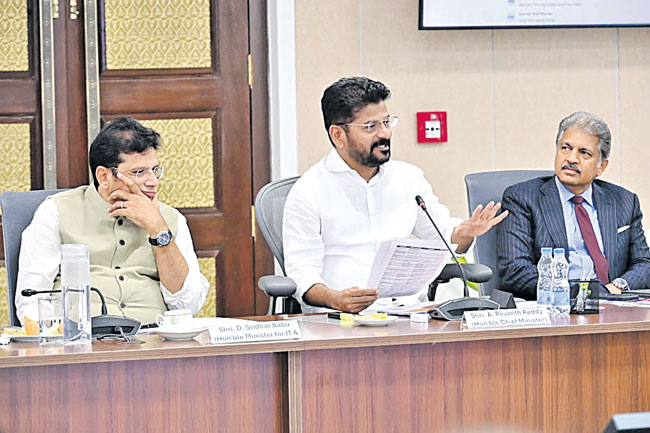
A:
<point x="20" y="96"/>
<point x="69" y="64"/>
<point x="147" y="95"/>
<point x="261" y="147"/>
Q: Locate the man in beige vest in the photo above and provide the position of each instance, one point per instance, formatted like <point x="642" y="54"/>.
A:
<point x="141" y="252"/>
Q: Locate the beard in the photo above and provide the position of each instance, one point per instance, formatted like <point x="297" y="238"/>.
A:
<point x="369" y="159"/>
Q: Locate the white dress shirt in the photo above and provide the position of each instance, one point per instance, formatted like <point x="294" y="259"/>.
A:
<point x="40" y="258"/>
<point x="334" y="220"/>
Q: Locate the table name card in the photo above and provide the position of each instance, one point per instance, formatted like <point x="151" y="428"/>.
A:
<point x="241" y="331"/>
<point x="510" y="318"/>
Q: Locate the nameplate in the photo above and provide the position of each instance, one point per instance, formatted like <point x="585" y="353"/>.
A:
<point x="510" y="318"/>
<point x="246" y="331"/>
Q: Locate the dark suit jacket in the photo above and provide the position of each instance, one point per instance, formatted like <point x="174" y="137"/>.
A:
<point x="536" y="220"/>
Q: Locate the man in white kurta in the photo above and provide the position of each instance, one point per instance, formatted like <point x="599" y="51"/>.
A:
<point x="141" y="252"/>
<point x="341" y="208"/>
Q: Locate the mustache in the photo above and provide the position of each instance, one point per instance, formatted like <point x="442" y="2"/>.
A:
<point x="572" y="167"/>
<point x="383" y="142"/>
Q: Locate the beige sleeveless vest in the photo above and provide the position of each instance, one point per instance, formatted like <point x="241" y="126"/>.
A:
<point x="122" y="263"/>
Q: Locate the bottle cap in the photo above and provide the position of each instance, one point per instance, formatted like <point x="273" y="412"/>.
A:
<point x="547" y="250"/>
<point x="74" y="251"/>
<point x="558" y="251"/>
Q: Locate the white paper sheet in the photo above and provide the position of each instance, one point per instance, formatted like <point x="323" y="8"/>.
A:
<point x="402" y="267"/>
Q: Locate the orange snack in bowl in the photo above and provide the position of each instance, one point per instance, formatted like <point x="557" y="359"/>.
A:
<point x="31" y="326"/>
<point x="59" y="330"/>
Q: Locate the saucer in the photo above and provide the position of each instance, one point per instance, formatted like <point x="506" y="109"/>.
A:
<point x="178" y="334"/>
<point x="25" y="338"/>
<point x="374" y="321"/>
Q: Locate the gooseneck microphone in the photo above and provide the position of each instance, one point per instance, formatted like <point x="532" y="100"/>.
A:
<point x="32" y="292"/>
<point x="103" y="324"/>
<point x="423" y="206"/>
<point x="454" y="308"/>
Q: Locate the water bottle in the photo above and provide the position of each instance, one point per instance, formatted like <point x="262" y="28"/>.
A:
<point x="75" y="287"/>
<point x="545" y="279"/>
<point x="561" y="298"/>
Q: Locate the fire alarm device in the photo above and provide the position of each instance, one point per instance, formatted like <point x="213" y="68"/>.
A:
<point x="432" y="127"/>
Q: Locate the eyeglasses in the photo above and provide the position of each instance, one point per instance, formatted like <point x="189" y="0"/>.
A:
<point x="157" y="171"/>
<point x="374" y="125"/>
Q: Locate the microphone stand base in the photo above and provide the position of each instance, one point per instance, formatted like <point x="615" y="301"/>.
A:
<point x="106" y="325"/>
<point x="454" y="308"/>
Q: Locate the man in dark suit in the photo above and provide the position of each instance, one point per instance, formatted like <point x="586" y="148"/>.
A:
<point x="597" y="223"/>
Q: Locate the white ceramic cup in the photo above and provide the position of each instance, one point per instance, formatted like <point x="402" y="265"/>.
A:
<point x="175" y="319"/>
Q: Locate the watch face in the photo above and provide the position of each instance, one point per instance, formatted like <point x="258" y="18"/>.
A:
<point x="621" y="284"/>
<point x="164" y="238"/>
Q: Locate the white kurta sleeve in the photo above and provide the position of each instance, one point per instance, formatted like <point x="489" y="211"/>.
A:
<point x="195" y="287"/>
<point x="40" y="258"/>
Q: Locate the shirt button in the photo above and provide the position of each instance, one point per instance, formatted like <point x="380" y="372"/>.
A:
<point x="121" y="278"/>
<point x="122" y="242"/>
<point x="122" y="305"/>
<point x="117" y="267"/>
<point x="120" y="221"/>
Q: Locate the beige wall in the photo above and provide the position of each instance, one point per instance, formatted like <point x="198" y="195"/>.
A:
<point x="504" y="90"/>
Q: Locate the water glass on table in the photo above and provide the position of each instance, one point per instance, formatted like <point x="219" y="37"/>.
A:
<point x="50" y="320"/>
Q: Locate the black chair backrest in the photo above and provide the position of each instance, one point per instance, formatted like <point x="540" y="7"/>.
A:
<point x="269" y="210"/>
<point x="481" y="189"/>
<point x="17" y="212"/>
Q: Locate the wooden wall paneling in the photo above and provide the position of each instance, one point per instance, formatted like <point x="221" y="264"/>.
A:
<point x="261" y="168"/>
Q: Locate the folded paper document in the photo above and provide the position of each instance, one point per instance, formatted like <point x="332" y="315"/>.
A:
<point x="403" y="267"/>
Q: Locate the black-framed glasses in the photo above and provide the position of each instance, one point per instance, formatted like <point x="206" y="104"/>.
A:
<point x="375" y="125"/>
<point x="157" y="171"/>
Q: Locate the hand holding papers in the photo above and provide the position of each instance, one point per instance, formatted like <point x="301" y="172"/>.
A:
<point x="402" y="267"/>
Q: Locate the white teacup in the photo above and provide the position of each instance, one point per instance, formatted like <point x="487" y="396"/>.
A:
<point x="175" y="319"/>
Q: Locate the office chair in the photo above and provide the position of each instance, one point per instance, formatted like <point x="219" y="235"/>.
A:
<point x="17" y="211"/>
<point x="269" y="210"/>
<point x="481" y="189"/>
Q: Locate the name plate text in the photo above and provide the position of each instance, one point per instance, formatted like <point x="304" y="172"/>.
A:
<point x="246" y="331"/>
<point x="510" y="318"/>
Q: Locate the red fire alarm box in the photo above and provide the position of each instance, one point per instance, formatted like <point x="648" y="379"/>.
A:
<point x="432" y="127"/>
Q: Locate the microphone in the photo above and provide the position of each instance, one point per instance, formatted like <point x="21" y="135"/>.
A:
<point x="103" y="324"/>
<point x="423" y="206"/>
<point x="454" y="308"/>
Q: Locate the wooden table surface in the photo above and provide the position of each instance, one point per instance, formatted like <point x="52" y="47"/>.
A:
<point x="319" y="332"/>
<point x="392" y="378"/>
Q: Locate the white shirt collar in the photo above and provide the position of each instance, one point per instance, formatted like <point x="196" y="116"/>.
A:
<point x="336" y="164"/>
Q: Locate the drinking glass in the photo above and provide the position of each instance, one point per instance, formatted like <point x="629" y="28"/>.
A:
<point x="50" y="320"/>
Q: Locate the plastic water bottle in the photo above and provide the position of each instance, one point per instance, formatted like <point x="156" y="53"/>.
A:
<point x="75" y="287"/>
<point x="545" y="279"/>
<point x="561" y="298"/>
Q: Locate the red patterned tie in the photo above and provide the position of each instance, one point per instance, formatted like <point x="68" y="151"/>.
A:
<point x="588" y="235"/>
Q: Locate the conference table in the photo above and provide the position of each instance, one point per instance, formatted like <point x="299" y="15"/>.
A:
<point x="405" y="377"/>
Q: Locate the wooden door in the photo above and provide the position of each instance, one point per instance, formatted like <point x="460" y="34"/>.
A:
<point x="181" y="67"/>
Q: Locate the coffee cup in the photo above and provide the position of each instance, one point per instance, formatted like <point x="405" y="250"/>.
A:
<point x="175" y="319"/>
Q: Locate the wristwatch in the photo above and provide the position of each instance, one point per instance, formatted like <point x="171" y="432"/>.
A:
<point x="621" y="284"/>
<point x="162" y="239"/>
